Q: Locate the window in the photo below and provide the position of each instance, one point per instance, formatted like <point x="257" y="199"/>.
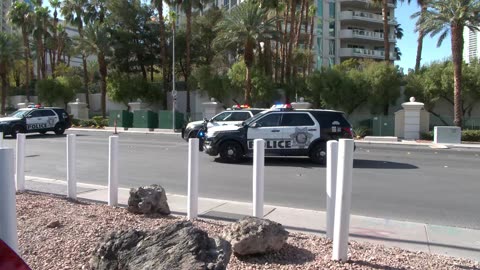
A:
<point x="222" y="117"/>
<point x="331" y="8"/>
<point x="270" y="120"/>
<point x="239" y="116"/>
<point x="36" y="113"/>
<point x="331" y="29"/>
<point x="331" y="47"/>
<point x="297" y="119"/>
<point x="47" y="113"/>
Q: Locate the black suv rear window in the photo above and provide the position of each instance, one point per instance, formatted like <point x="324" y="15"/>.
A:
<point x="296" y="119"/>
<point x="327" y="118"/>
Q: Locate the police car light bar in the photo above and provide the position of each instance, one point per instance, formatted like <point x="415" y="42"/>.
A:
<point x="282" y="106"/>
<point x="239" y="107"/>
<point x="38" y="106"/>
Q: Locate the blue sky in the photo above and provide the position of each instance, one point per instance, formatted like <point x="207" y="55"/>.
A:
<point x="408" y="44"/>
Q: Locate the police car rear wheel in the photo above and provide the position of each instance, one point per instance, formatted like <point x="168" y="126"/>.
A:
<point x="231" y="152"/>
<point x="318" y="154"/>
<point x="59" y="129"/>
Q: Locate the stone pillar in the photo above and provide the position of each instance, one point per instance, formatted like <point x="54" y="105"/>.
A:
<point x="411" y="130"/>
<point x="78" y="109"/>
<point x="302" y="104"/>
<point x="210" y="109"/>
<point x="137" y="106"/>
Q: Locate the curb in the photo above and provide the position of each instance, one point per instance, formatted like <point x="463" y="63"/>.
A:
<point x="146" y="131"/>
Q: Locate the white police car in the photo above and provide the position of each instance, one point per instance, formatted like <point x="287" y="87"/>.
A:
<point x="35" y="119"/>
<point x="287" y="132"/>
<point x="232" y="117"/>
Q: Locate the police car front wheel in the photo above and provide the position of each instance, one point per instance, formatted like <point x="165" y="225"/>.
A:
<point x="59" y="129"/>
<point x="16" y="130"/>
<point x="231" y="152"/>
<point x="318" y="154"/>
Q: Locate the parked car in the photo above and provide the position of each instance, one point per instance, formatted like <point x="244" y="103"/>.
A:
<point x="287" y="132"/>
<point x="35" y="119"/>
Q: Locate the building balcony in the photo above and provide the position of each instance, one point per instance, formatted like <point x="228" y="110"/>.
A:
<point x="364" y="53"/>
<point x="364" y="16"/>
<point x="364" y="34"/>
<point x="391" y="3"/>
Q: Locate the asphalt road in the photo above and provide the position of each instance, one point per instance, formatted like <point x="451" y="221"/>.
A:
<point x="435" y="186"/>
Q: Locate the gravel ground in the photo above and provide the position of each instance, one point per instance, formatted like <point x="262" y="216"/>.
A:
<point x="56" y="233"/>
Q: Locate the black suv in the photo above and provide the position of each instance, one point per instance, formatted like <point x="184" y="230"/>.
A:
<point x="287" y="132"/>
<point x="36" y="119"/>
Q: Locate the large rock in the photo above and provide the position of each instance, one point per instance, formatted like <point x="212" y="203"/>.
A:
<point x="148" y="200"/>
<point x="177" y="246"/>
<point x="252" y="235"/>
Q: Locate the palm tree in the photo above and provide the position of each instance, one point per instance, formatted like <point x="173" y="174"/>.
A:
<point x="451" y="17"/>
<point x="246" y="25"/>
<point x="421" y="35"/>
<point x="42" y="17"/>
<point x="386" y="26"/>
<point x="55" y="4"/>
<point x="163" y="47"/>
<point x="21" y="15"/>
<point x="96" y="41"/>
<point x="9" y="51"/>
<point x="74" y="12"/>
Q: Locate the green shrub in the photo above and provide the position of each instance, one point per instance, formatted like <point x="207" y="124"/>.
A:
<point x="100" y="121"/>
<point x="428" y="136"/>
<point x="87" y="123"/>
<point x="471" y="135"/>
<point x="75" y="122"/>
<point x="360" y="132"/>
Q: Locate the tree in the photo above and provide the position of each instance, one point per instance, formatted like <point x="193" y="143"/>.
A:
<point x="21" y="15"/>
<point x="245" y="26"/>
<point x="451" y="17"/>
<point x="74" y="13"/>
<point x="70" y="86"/>
<point x="421" y="35"/>
<point x="49" y="91"/>
<point x="40" y="33"/>
<point x="163" y="47"/>
<point x="55" y="4"/>
<point x="9" y="51"/>
<point x="96" y="41"/>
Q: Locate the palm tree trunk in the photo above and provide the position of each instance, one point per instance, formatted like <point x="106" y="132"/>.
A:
<point x="163" y="54"/>
<point x="386" y="31"/>
<point x="421" y="35"/>
<point x="85" y="68"/>
<point x="248" y="56"/>
<point x="284" y="42"/>
<point x="188" y="14"/>
<point x="288" y="66"/>
<point x="310" y="42"/>
<point x="457" y="51"/>
<point x="4" y="91"/>
<point x="27" y="63"/>
<point x="103" y="82"/>
<point x="277" y="47"/>
<point x="299" y="24"/>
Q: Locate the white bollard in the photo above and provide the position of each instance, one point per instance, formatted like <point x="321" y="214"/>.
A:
<point x="113" y="171"/>
<point x="20" y="161"/>
<point x="258" y="176"/>
<point x="71" y="163"/>
<point x="1" y="139"/>
<point x="332" y="155"/>
<point x="343" y="199"/>
<point x="8" y="214"/>
<point x="192" y="204"/>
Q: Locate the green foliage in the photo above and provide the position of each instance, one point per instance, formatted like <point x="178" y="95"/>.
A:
<point x="427" y="136"/>
<point x="214" y="84"/>
<point x="87" y="123"/>
<point x="75" y="122"/>
<point x="471" y="135"/>
<point x="49" y="90"/>
<point x="360" y="132"/>
<point x="100" y="121"/>
<point x="124" y="88"/>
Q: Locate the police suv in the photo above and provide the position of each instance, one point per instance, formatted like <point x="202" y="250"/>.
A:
<point x="235" y="116"/>
<point x="287" y="132"/>
<point x="35" y="119"/>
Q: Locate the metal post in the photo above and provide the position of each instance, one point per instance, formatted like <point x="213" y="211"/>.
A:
<point x="1" y="139"/>
<point x="258" y="176"/>
<point x="343" y="199"/>
<point x="192" y="204"/>
<point x="332" y="155"/>
<point x="113" y="171"/>
<point x="71" y="163"/>
<point x="20" y="161"/>
<point x="174" y="96"/>
<point x="8" y="214"/>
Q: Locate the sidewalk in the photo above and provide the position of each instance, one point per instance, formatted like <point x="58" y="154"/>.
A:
<point x="444" y="240"/>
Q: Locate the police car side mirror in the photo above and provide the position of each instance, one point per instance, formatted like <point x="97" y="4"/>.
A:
<point x="254" y="125"/>
<point x="28" y="116"/>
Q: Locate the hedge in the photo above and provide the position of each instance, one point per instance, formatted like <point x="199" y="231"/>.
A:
<point x="467" y="135"/>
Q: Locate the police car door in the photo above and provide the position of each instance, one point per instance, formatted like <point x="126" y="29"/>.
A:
<point x="267" y="128"/>
<point x="300" y="129"/>
<point x="36" y="121"/>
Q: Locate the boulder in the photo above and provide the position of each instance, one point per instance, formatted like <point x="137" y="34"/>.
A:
<point x="148" y="200"/>
<point x="252" y="235"/>
<point x="176" y="246"/>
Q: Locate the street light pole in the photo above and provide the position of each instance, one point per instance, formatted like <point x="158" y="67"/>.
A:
<point x="174" y="92"/>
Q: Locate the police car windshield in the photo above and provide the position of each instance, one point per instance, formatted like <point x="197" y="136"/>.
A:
<point x="19" y="114"/>
<point x="258" y="115"/>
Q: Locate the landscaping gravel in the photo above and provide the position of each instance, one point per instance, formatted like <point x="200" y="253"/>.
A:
<point x="56" y="233"/>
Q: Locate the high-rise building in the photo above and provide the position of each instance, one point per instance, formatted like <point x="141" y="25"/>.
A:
<point x="4" y="7"/>
<point x="346" y="29"/>
<point x="471" y="42"/>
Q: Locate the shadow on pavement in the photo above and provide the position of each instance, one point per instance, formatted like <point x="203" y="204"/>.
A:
<point x="380" y="164"/>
